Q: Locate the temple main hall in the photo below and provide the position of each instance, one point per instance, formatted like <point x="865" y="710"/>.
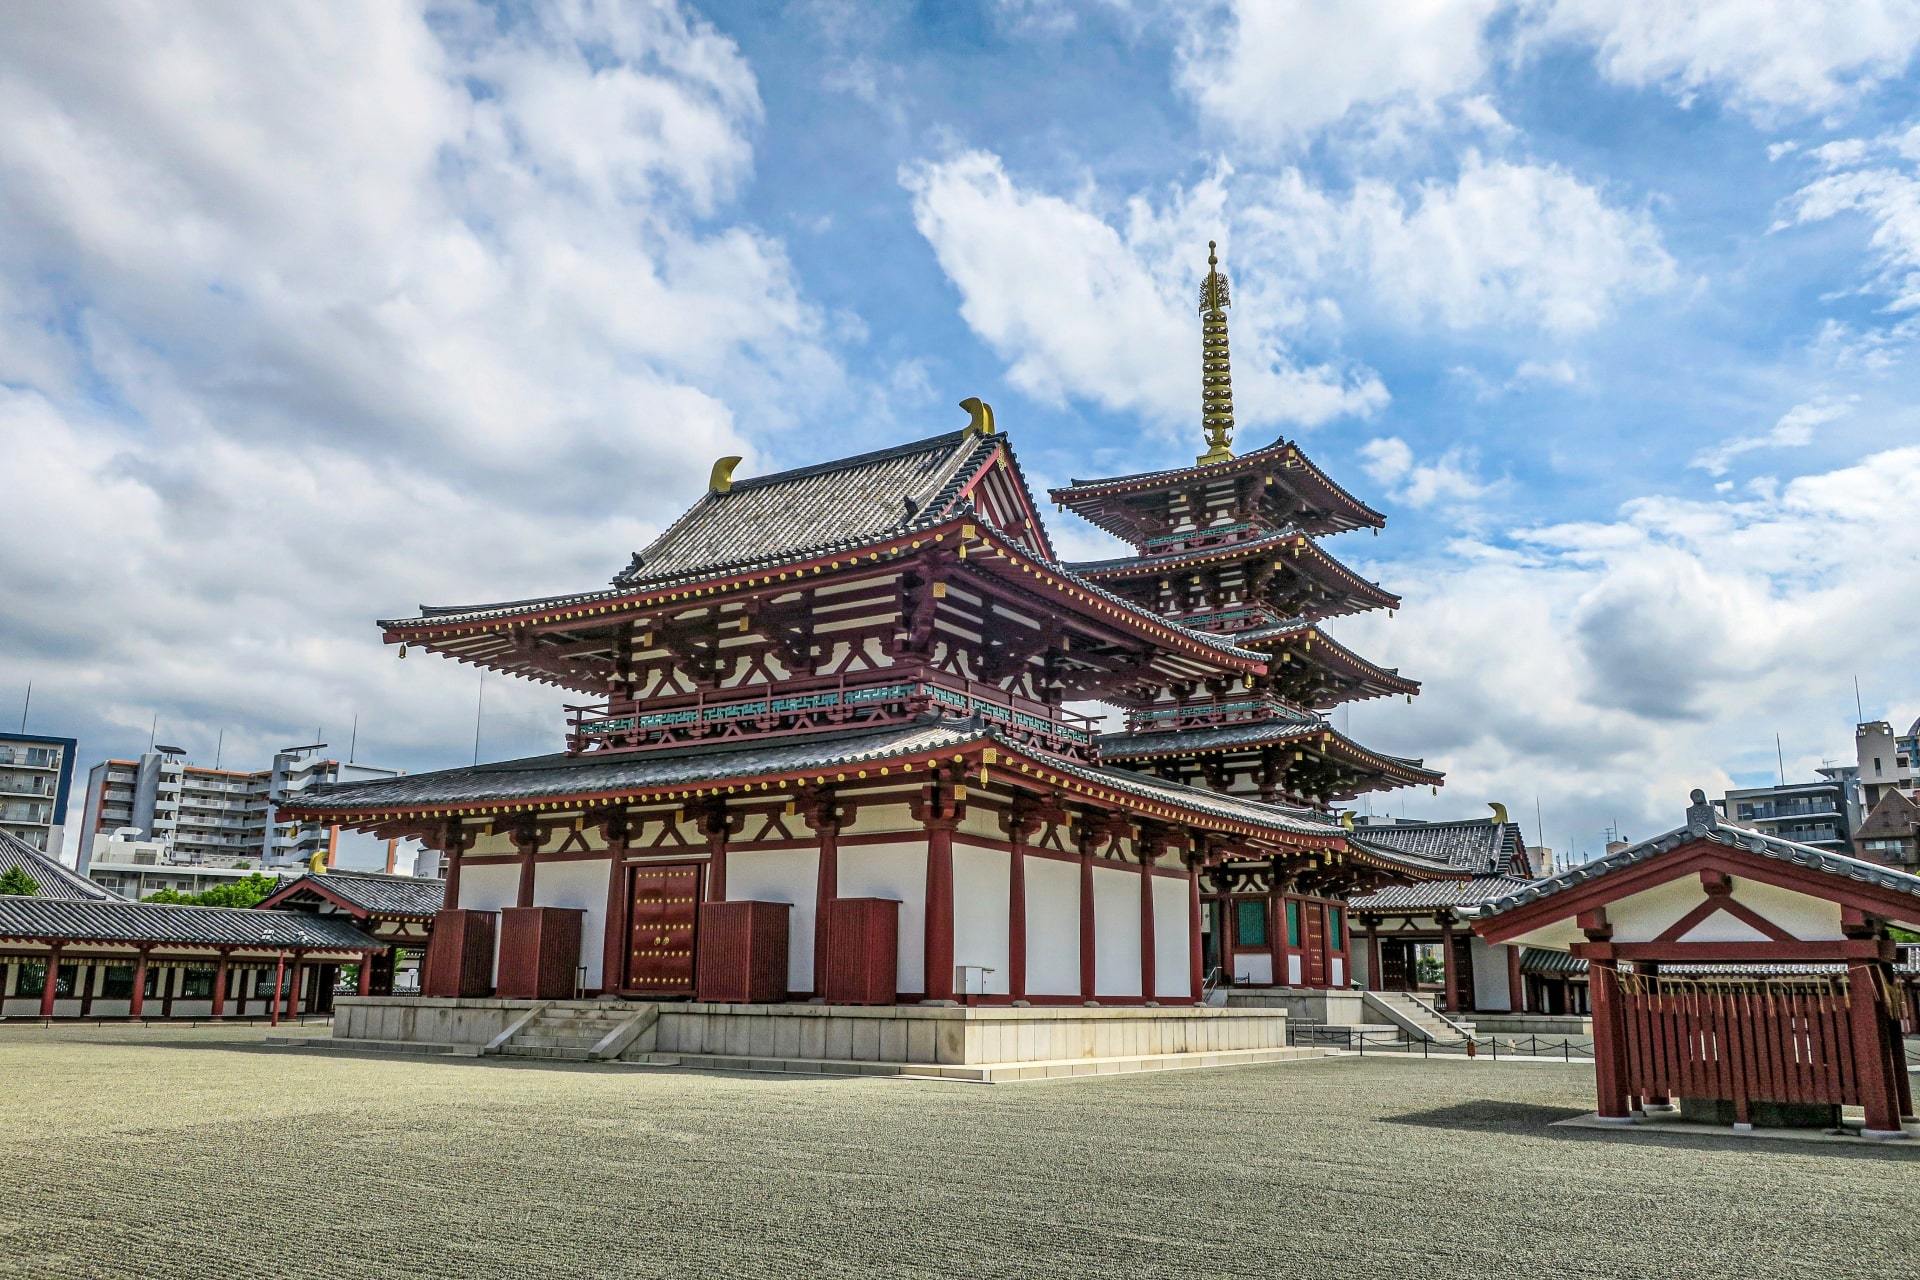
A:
<point x="839" y="739"/>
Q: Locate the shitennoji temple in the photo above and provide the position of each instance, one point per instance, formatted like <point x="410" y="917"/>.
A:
<point x="825" y="750"/>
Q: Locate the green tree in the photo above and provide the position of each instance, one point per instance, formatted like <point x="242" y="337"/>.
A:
<point x="239" y="893"/>
<point x="18" y="883"/>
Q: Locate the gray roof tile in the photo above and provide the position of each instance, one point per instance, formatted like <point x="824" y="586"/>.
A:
<point x="55" y="879"/>
<point x="1469" y="892"/>
<point x="1477" y="846"/>
<point x="373" y="892"/>
<point x="100" y="922"/>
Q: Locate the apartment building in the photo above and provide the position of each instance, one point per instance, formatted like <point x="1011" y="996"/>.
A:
<point x="161" y="811"/>
<point x="1888" y="761"/>
<point x="36" y="773"/>
<point x="1821" y="813"/>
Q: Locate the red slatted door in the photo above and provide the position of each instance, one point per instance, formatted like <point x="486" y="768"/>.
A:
<point x="664" y="904"/>
<point x="1316" y="957"/>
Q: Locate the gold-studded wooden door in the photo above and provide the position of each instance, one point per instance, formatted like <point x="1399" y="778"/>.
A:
<point x="664" y="904"/>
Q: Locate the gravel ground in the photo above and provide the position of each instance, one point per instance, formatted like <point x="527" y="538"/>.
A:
<point x="161" y="1153"/>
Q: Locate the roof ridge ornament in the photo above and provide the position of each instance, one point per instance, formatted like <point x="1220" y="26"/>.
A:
<point x="1216" y="370"/>
<point x="982" y="422"/>
<point x="1701" y="817"/>
<point x="720" y="480"/>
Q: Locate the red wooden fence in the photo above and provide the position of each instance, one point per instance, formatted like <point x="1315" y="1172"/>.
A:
<point x="1756" y="1039"/>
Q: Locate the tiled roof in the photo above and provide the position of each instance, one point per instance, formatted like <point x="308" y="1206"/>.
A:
<point x="1553" y="964"/>
<point x="1469" y="892"/>
<point x="1895" y="817"/>
<point x="1704" y="824"/>
<point x="71" y="921"/>
<point x="561" y="776"/>
<point x="372" y="891"/>
<point x="1174" y="559"/>
<point x="1269" y="458"/>
<point x="1150" y="743"/>
<point x="815" y="509"/>
<point x="1477" y="846"/>
<point x="54" y="879"/>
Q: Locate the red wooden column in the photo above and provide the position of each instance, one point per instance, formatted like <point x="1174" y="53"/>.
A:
<point x="1609" y="1019"/>
<point x="1017" y="917"/>
<point x="293" y="987"/>
<point x="137" y="1003"/>
<point x="714" y="822"/>
<point x="1446" y="962"/>
<point x="220" y="985"/>
<point x="53" y="978"/>
<point x="1195" y="961"/>
<point x="939" y="940"/>
<point x="613" y="950"/>
<point x="1373" y="953"/>
<point x="1087" y="976"/>
<point x="526" y="838"/>
<point x="823" y="816"/>
<point x="451" y="856"/>
<point x="1276" y="923"/>
<point x="273" y="1003"/>
<point x="1872" y="1054"/>
<point x="365" y="987"/>
<point x="1147" y="958"/>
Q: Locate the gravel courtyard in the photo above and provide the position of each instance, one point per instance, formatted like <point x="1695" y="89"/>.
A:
<point x="175" y="1152"/>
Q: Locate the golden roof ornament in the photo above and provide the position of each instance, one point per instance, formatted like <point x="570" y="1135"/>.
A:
<point x="1216" y="372"/>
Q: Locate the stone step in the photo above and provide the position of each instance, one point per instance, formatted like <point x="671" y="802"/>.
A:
<point x="1002" y="1072"/>
<point x="560" y="1053"/>
<point x="416" y="1047"/>
<point x="551" y="1041"/>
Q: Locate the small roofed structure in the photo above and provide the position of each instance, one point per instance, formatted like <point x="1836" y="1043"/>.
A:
<point x="72" y="957"/>
<point x="51" y="878"/>
<point x="1489" y="859"/>
<point x="1743" y="974"/>
<point x="1891" y="833"/>
<point x="396" y="910"/>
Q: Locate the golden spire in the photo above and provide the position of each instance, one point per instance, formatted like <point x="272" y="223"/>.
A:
<point x="1216" y="372"/>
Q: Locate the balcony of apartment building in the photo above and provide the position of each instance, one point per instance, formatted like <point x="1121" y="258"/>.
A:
<point x="30" y="757"/>
<point x="27" y="814"/>
<point x="1777" y="810"/>
<point x="28" y="784"/>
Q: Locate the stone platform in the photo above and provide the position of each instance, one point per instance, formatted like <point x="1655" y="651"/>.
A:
<point x="980" y="1043"/>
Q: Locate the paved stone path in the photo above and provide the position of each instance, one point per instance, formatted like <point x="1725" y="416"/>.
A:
<point x="182" y="1153"/>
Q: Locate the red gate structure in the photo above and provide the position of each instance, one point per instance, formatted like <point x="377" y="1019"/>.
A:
<point x="1788" y="995"/>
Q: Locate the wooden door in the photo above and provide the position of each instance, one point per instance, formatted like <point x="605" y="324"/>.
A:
<point x="663" y="906"/>
<point x="1316" y="957"/>
<point x="1396" y="965"/>
<point x="1463" y="971"/>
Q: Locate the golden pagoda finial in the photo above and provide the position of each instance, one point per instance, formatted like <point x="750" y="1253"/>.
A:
<point x="1216" y="372"/>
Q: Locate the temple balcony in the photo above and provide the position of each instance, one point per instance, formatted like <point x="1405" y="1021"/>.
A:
<point x="1209" y="712"/>
<point x="824" y="705"/>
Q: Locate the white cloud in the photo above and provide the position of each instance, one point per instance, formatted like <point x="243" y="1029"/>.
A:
<point x="1277" y="70"/>
<point x="1505" y="244"/>
<point x="312" y="312"/>
<point x="1081" y="308"/>
<point x="1793" y="430"/>
<point x="1389" y="461"/>
<point x="1767" y="57"/>
<point x="1886" y="192"/>
<point x="1609" y="666"/>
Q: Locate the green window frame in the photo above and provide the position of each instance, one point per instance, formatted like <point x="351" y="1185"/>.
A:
<point x="1336" y="930"/>
<point x="30" y="978"/>
<point x="1293" y="924"/>
<point x="118" y="984"/>
<point x="1250" y="922"/>
<point x="197" y="985"/>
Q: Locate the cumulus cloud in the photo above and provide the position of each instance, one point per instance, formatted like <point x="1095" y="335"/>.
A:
<point x="1277" y="70"/>
<point x="1879" y="179"/>
<point x="1766" y="57"/>
<point x="1390" y="461"/>
<point x="1504" y="244"/>
<point x="1794" y="429"/>
<point x="1606" y="665"/>
<point x="1082" y="308"/>
<point x="316" y="312"/>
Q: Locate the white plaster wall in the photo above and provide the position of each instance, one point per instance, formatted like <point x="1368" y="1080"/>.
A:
<point x="1336" y="971"/>
<point x="1116" y="932"/>
<point x="783" y="875"/>
<point x="1293" y="970"/>
<point x="494" y="842"/>
<point x="981" y="921"/>
<point x="1053" y="927"/>
<point x="897" y="871"/>
<point x="1805" y="917"/>
<point x="1644" y="916"/>
<point x="1489" y="976"/>
<point x="1172" y="959"/>
<point x="1723" y="927"/>
<point x="581" y="884"/>
<point x="489" y="888"/>
<point x="1253" y="968"/>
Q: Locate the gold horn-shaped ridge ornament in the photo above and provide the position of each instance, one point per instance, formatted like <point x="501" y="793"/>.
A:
<point x="721" y="481"/>
<point x="982" y="423"/>
<point x="1216" y="365"/>
<point x="1500" y="818"/>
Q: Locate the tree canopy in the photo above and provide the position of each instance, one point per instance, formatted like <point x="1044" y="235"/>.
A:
<point x="239" y="893"/>
<point x="18" y="883"/>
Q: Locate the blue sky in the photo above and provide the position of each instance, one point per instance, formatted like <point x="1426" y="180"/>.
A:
<point x="305" y="320"/>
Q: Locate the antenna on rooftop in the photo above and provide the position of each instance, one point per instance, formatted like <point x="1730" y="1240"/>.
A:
<point x="1860" y="712"/>
<point x="25" y="705"/>
<point x="153" y="731"/>
<point x="1539" y="825"/>
<point x="354" y="740"/>
<point x="479" y="706"/>
<point x="219" y="746"/>
<point x="1780" y="759"/>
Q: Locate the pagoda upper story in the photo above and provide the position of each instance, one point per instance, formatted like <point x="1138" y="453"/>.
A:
<point x="1232" y="545"/>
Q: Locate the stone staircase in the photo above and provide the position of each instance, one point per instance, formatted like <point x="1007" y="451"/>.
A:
<point x="573" y="1033"/>
<point x="1414" y="1016"/>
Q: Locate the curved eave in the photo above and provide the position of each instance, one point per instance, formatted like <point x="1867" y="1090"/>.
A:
<point x="1305" y="555"/>
<point x="1325" y="651"/>
<point x="1281" y="459"/>
<point x="1331" y="743"/>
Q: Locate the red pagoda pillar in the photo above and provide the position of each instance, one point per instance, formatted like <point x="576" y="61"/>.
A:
<point x="1147" y="958"/>
<point x="1086" y="920"/>
<point x="938" y="960"/>
<point x="1195" y="962"/>
<point x="1277" y="925"/>
<point x="137" y="1002"/>
<point x="526" y="837"/>
<point x="1446" y="962"/>
<point x="279" y="979"/>
<point x="1017" y="918"/>
<point x="824" y="818"/>
<point x="53" y="979"/>
<point x="220" y="985"/>
<point x="1373" y="953"/>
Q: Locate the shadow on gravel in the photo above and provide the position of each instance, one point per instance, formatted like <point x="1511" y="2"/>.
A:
<point x="1535" y="1121"/>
